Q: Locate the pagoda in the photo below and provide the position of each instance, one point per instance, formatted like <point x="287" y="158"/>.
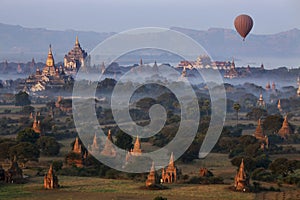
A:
<point x="75" y="59"/>
<point x="151" y="178"/>
<point x="14" y="174"/>
<point x="259" y="135"/>
<point x="169" y="175"/>
<point x="136" y="151"/>
<point x="77" y="156"/>
<point x="260" y="102"/>
<point x="94" y="148"/>
<point x="241" y="181"/>
<point x="49" y="68"/>
<point x="279" y="106"/>
<point x="36" y="126"/>
<point x="50" y="179"/>
<point x="109" y="149"/>
<point x="285" y="130"/>
<point x="77" y="147"/>
<point x="273" y="86"/>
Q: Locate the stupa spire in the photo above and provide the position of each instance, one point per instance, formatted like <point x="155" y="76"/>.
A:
<point x="76" y="41"/>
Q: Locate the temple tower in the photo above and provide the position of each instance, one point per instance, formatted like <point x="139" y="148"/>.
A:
<point x="94" y="148"/>
<point x="75" y="58"/>
<point x="36" y="126"/>
<point x="50" y="180"/>
<point x="151" y="178"/>
<point x="241" y="181"/>
<point x="49" y="68"/>
<point x="109" y="149"/>
<point x="285" y="130"/>
<point x="279" y="106"/>
<point x="260" y="102"/>
<point x="259" y="135"/>
<point x="169" y="175"/>
<point x="136" y="151"/>
<point x="77" y="147"/>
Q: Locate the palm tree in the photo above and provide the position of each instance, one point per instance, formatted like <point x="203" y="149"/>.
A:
<point x="237" y="107"/>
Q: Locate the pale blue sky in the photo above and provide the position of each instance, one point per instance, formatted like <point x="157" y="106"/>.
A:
<point x="270" y="16"/>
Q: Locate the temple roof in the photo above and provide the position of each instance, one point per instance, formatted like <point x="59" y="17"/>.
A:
<point x="76" y="53"/>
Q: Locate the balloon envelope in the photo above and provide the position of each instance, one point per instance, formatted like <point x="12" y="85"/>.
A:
<point x="243" y="25"/>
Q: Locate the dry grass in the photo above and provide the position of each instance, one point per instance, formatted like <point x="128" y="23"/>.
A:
<point x="96" y="188"/>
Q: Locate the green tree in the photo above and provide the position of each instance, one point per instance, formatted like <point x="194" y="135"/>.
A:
<point x="27" y="135"/>
<point x="22" y="99"/>
<point x="256" y="113"/>
<point x="4" y="146"/>
<point x="124" y="140"/>
<point x="48" y="145"/>
<point x="57" y="165"/>
<point x="237" y="107"/>
<point x="272" y="123"/>
<point x="25" y="152"/>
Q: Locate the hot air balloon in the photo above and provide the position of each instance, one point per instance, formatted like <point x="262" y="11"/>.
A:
<point x="243" y="25"/>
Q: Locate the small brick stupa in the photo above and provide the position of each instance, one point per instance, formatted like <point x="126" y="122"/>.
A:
<point x="50" y="180"/>
<point x="109" y="149"/>
<point x="151" y="179"/>
<point x="169" y="175"/>
<point x="285" y="130"/>
<point x="241" y="181"/>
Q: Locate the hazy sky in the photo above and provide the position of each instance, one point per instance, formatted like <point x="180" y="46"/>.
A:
<point x="270" y="16"/>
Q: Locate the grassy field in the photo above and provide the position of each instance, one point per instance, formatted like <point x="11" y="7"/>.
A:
<point x="96" y="188"/>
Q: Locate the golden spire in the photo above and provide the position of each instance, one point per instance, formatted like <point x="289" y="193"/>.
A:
<point x="258" y="132"/>
<point x="137" y="147"/>
<point x="285" y="128"/>
<point x="171" y="163"/>
<point x="137" y="144"/>
<point x="241" y="174"/>
<point x="50" y="50"/>
<point x="77" y="146"/>
<point x="50" y="59"/>
<point x="76" y="42"/>
<point x="279" y="105"/>
<point x="50" y="171"/>
<point x="109" y="135"/>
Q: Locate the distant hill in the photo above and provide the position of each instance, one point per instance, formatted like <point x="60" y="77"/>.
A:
<point x="21" y="44"/>
<point x="226" y="43"/>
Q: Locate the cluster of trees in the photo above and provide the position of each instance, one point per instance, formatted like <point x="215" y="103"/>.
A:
<point x="28" y="146"/>
<point x="281" y="170"/>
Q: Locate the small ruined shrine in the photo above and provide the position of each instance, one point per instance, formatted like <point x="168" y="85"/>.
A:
<point x="136" y="151"/>
<point x="36" y="126"/>
<point x="203" y="172"/>
<point x="241" y="180"/>
<point x="109" y="149"/>
<point x="50" y="179"/>
<point x="77" y="156"/>
<point x="261" y="102"/>
<point x="94" y="148"/>
<point x="14" y="174"/>
<point x="259" y="135"/>
<point x="279" y="106"/>
<point x="285" y="129"/>
<point x="151" y="178"/>
<point x="169" y="174"/>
